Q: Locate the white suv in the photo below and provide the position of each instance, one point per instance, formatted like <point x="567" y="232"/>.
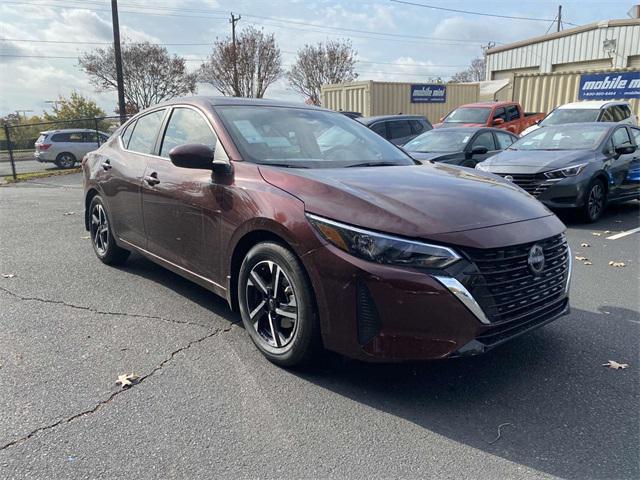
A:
<point x="590" y="111"/>
<point x="66" y="147"/>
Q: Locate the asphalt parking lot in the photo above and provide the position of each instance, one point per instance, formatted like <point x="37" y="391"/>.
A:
<point x="208" y="405"/>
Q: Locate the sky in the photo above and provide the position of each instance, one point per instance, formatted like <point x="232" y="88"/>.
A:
<point x="394" y="41"/>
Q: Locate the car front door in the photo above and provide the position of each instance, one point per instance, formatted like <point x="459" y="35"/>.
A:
<point x="481" y="139"/>
<point x="512" y="118"/>
<point x="180" y="205"/>
<point x="631" y="182"/>
<point x="618" y="166"/>
<point x="124" y="163"/>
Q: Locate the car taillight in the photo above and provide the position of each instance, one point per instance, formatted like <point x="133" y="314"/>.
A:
<point x="43" y="146"/>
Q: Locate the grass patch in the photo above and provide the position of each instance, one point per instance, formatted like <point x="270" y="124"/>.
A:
<point x="33" y="175"/>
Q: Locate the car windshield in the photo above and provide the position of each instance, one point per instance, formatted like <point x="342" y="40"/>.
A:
<point x="441" y="140"/>
<point x="306" y="138"/>
<point x="566" y="137"/>
<point x="468" y="115"/>
<point x="562" y="116"/>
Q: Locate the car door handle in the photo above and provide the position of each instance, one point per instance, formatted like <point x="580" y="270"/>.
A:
<point x="106" y="164"/>
<point x="152" y="179"/>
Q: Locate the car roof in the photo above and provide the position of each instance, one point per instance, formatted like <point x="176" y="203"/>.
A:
<point x="487" y="104"/>
<point x="71" y="130"/>
<point x="592" y="104"/>
<point x="608" y="125"/>
<point x="217" y="101"/>
<point x="471" y="130"/>
<point x="378" y="118"/>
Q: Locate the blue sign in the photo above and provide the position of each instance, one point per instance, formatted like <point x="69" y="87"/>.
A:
<point x="609" y="86"/>
<point x="426" y="93"/>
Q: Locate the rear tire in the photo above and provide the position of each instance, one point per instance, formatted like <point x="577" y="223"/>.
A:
<point x="595" y="201"/>
<point x="65" y="160"/>
<point x="101" y="234"/>
<point x="277" y="305"/>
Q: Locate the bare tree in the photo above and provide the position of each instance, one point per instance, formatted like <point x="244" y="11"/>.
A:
<point x="322" y="64"/>
<point x="151" y="75"/>
<point x="258" y="62"/>
<point x="475" y="72"/>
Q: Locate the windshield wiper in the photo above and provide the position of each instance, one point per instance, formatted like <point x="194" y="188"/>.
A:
<point x="373" y="164"/>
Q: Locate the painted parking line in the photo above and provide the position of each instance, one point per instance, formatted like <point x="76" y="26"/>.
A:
<point x="623" y="234"/>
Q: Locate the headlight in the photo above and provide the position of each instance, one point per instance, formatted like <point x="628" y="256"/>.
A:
<point x="480" y="166"/>
<point x="380" y="248"/>
<point x="566" y="172"/>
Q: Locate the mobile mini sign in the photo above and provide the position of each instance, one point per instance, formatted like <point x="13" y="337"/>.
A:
<point x="609" y="86"/>
<point x="425" y="93"/>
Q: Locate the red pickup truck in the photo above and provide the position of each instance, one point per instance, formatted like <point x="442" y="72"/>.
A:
<point x="507" y="115"/>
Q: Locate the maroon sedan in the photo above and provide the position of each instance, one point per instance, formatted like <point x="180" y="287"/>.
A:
<point x="323" y="234"/>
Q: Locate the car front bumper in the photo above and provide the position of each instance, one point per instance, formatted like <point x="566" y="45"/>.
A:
<point x="376" y="312"/>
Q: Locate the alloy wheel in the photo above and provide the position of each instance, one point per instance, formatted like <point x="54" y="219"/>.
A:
<point x="595" y="202"/>
<point x="66" y="161"/>
<point x="272" y="305"/>
<point x="99" y="229"/>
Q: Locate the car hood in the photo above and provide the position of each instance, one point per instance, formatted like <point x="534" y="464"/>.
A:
<point x="413" y="201"/>
<point x="535" y="161"/>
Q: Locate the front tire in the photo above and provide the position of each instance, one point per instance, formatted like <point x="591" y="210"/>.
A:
<point x="595" y="201"/>
<point x="101" y="234"/>
<point x="277" y="305"/>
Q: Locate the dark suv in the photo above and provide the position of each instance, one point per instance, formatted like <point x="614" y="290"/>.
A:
<point x="321" y="233"/>
<point x="398" y="129"/>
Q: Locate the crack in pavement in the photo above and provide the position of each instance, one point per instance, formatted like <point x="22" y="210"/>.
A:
<point x="107" y="400"/>
<point x="100" y="312"/>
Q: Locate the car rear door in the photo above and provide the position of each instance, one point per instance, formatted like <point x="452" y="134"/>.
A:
<point x="124" y="163"/>
<point x="180" y="205"/>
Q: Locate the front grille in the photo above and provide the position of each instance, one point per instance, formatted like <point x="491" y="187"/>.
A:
<point x="508" y="291"/>
<point x="533" y="184"/>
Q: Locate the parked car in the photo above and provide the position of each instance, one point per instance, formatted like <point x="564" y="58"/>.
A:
<point x="398" y="129"/>
<point x="353" y="115"/>
<point x="589" y="111"/>
<point x="581" y="166"/>
<point x="66" y="147"/>
<point x="464" y="146"/>
<point x="351" y="246"/>
<point x="506" y="115"/>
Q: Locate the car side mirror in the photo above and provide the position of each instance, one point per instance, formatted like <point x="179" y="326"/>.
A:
<point x="197" y="155"/>
<point x="479" y="150"/>
<point x="498" y="121"/>
<point x="625" y="149"/>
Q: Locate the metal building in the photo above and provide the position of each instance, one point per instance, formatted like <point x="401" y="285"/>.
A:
<point x="609" y="44"/>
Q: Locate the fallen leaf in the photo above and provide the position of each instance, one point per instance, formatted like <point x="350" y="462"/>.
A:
<point x="596" y="234"/>
<point x="69" y="213"/>
<point x="86" y="237"/>
<point x="617" y="221"/>
<point x="580" y="259"/>
<point x="617" y="264"/>
<point x="8" y="275"/>
<point x="126" y="380"/>
<point x="615" y="365"/>
<point x="587" y="263"/>
<point x="607" y="232"/>
<point x="585" y="245"/>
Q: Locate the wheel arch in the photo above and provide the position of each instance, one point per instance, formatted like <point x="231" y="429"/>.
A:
<point x="66" y="153"/>
<point x="602" y="176"/>
<point x="92" y="192"/>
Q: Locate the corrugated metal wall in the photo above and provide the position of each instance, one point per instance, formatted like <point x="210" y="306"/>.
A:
<point x="387" y="98"/>
<point x="584" y="45"/>
<point x="544" y="92"/>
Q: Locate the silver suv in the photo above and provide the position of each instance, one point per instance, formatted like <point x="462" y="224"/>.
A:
<point x="66" y="147"/>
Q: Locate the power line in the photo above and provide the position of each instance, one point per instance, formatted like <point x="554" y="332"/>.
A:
<point x="468" y="12"/>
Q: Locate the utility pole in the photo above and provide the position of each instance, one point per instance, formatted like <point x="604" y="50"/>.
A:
<point x="23" y="112"/>
<point x="559" y="18"/>
<point x="233" y="20"/>
<point x="118" y="57"/>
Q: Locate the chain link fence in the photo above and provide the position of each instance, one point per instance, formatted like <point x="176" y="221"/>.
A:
<point x="44" y="146"/>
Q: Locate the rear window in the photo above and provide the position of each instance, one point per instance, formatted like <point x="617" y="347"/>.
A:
<point x="41" y="138"/>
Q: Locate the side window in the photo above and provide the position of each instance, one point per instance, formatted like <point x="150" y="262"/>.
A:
<point x="399" y="129"/>
<point x="186" y="126"/>
<point x="61" y="137"/>
<point x="417" y="127"/>
<point x="89" y="137"/>
<point x="636" y="135"/>
<point x="512" y="113"/>
<point x="500" y="113"/>
<point x="621" y="137"/>
<point x="626" y="111"/>
<point x="145" y="132"/>
<point x="608" y="116"/>
<point x="485" y="139"/>
<point x="380" y="128"/>
<point x="76" y="137"/>
<point x="126" y="134"/>
<point x="504" y="140"/>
